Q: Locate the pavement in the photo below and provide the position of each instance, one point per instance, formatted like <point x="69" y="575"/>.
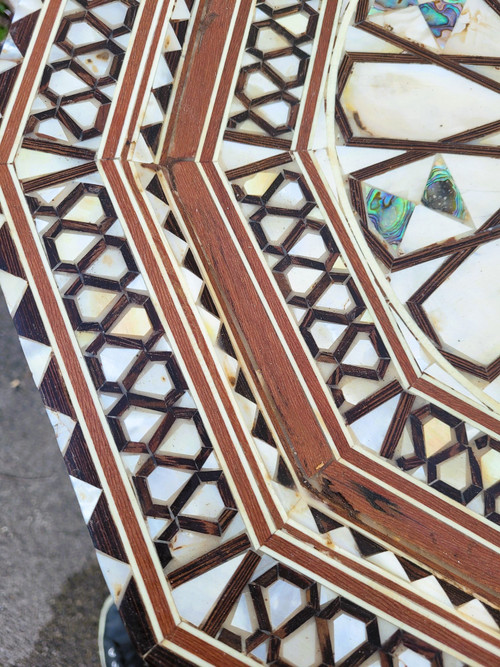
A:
<point x="51" y="589"/>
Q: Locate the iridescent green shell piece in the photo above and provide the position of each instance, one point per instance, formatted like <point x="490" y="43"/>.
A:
<point x="389" y="214"/>
<point x="388" y="5"/>
<point x="442" y="194"/>
<point x="441" y="16"/>
<point x="5" y="21"/>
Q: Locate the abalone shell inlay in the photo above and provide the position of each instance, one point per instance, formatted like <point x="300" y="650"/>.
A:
<point x="441" y="193"/>
<point x="388" y="5"/>
<point x="441" y="18"/>
<point x="389" y="214"/>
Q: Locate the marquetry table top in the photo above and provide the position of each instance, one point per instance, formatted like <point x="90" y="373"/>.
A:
<point x="251" y="250"/>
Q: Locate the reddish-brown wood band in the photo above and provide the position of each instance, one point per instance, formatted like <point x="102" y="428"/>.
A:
<point x="199" y="74"/>
<point x="126" y="510"/>
<point x="224" y="91"/>
<point x="354" y="565"/>
<point x="396" y="519"/>
<point x="204" y="390"/>
<point x="117" y="119"/>
<point x="18" y="109"/>
<point x="243" y="308"/>
<point x="208" y="652"/>
<point x="438" y="545"/>
<point x="161" y="656"/>
<point x="392" y="606"/>
<point x="318" y="65"/>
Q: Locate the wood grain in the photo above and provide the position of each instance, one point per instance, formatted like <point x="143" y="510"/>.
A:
<point x="297" y="426"/>
<point x="190" y="108"/>
<point x="119" y="132"/>
<point x="124" y="506"/>
<point x="363" y="590"/>
<point x="209" y="401"/>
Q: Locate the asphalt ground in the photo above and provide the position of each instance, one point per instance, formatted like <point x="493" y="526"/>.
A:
<point x="51" y="589"/>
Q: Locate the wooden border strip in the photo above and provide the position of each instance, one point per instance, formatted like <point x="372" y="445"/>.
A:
<point x="121" y="122"/>
<point x="414" y="619"/>
<point x="167" y="305"/>
<point x="189" y="110"/>
<point x="346" y="562"/>
<point x="130" y="524"/>
<point x="230" y="281"/>
<point x="189" y="638"/>
<point x="212" y="246"/>
<point x="309" y="109"/>
<point x="25" y="86"/>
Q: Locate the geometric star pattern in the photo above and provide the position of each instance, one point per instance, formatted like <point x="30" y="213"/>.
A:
<point x="279" y="458"/>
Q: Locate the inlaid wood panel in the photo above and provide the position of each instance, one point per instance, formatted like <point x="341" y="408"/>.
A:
<point x="249" y="249"/>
